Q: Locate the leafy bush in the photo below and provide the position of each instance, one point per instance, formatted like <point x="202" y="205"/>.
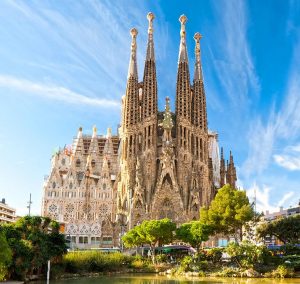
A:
<point x="186" y="263"/>
<point x="246" y="254"/>
<point x="93" y="261"/>
<point x="161" y="258"/>
<point x="282" y="272"/>
<point x="214" y="254"/>
<point x="292" y="261"/>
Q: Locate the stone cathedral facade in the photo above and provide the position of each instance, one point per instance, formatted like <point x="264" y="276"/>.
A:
<point x="161" y="163"/>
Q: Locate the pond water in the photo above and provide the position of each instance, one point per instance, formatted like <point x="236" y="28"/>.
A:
<point x="157" y="279"/>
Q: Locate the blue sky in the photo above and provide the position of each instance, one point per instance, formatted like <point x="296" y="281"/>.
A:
<point x="63" y="64"/>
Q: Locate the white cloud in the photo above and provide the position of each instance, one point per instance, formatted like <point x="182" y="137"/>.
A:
<point x="263" y="195"/>
<point x="57" y="93"/>
<point x="289" y="158"/>
<point x="282" y="126"/>
<point x="234" y="65"/>
<point x="288" y="162"/>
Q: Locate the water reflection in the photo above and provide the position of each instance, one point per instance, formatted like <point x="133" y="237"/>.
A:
<point x="156" y="279"/>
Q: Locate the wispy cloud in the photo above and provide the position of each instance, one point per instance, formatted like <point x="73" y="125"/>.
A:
<point x="53" y="92"/>
<point x="281" y="126"/>
<point x="263" y="198"/>
<point x="289" y="159"/>
<point x="234" y="63"/>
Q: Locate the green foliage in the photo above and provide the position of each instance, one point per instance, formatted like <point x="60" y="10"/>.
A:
<point x="5" y="256"/>
<point x="94" y="261"/>
<point x="186" y="263"/>
<point x="228" y="212"/>
<point x="161" y="258"/>
<point x="194" y="233"/>
<point x="281" y="271"/>
<point x="152" y="232"/>
<point x="292" y="261"/>
<point x="33" y="241"/>
<point x="247" y="254"/>
<point x="214" y="254"/>
<point x="286" y="229"/>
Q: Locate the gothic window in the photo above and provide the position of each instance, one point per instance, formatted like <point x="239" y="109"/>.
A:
<point x="70" y="208"/>
<point x="104" y="186"/>
<point x="70" y="185"/>
<point x="53" y="208"/>
<point x="86" y="208"/>
<point x="53" y="184"/>
<point x="103" y="209"/>
<point x="93" y="163"/>
<point x="63" y="161"/>
<point x="80" y="176"/>
<point x="66" y="217"/>
<point x="78" y="163"/>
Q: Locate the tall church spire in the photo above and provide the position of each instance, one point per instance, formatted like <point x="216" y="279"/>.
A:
<point x="132" y="70"/>
<point x="149" y="95"/>
<point x="183" y="88"/>
<point x="150" y="46"/>
<point x="182" y="48"/>
<point x="198" y="67"/>
<point x="199" y="115"/>
<point x="131" y="104"/>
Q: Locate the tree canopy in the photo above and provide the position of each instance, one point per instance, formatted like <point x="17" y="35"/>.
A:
<point x="5" y="256"/>
<point x="228" y="212"/>
<point x="194" y="233"/>
<point x="150" y="232"/>
<point x="286" y="229"/>
<point x="33" y="241"/>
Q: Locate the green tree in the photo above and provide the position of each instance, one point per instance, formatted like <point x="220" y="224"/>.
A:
<point x="194" y="233"/>
<point x="228" y="212"/>
<point x="33" y="240"/>
<point x="151" y="232"/>
<point x="246" y="254"/>
<point x="5" y="256"/>
<point x="286" y="230"/>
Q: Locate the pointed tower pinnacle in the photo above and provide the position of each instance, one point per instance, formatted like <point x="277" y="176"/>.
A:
<point x="79" y="134"/>
<point x="131" y="113"/>
<point x="198" y="67"/>
<point x="182" y="49"/>
<point x="94" y="132"/>
<point x="149" y="93"/>
<point x="150" y="47"/>
<point x="132" y="70"/>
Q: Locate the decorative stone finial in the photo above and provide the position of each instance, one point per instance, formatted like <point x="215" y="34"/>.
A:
<point x="198" y="68"/>
<point x="94" y="131"/>
<point x="182" y="20"/>
<point x="133" y="33"/>
<point x="132" y="70"/>
<point x="79" y="135"/>
<point x="108" y="132"/>
<point x="197" y="37"/>
<point x="150" y="17"/>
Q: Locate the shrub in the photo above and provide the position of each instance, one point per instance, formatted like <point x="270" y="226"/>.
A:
<point x="94" y="261"/>
<point x="228" y="272"/>
<point x="282" y="272"/>
<point x="215" y="254"/>
<point x="185" y="264"/>
<point x="160" y="258"/>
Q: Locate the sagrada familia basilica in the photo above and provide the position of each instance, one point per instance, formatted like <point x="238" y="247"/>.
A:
<point x="161" y="164"/>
